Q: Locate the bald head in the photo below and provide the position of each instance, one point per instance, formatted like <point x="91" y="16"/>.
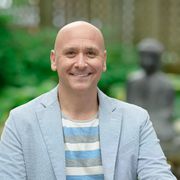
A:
<point x="80" y="24"/>
<point x="79" y="28"/>
<point x="79" y="56"/>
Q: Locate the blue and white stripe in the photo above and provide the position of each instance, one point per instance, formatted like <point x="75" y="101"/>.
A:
<point x="82" y="149"/>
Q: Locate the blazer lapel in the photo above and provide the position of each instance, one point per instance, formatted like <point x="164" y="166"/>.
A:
<point x="49" y="117"/>
<point x="51" y="127"/>
<point x="110" y="129"/>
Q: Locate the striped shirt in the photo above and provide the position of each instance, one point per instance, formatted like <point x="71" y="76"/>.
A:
<point x="82" y="149"/>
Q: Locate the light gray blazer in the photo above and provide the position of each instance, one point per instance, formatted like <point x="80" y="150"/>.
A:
<point x="32" y="146"/>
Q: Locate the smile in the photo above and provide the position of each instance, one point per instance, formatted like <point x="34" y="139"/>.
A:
<point x="81" y="75"/>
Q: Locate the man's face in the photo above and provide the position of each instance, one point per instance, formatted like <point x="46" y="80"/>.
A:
<point x="79" y="58"/>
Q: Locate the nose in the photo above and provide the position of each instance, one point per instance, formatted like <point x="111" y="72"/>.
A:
<point x="81" y="61"/>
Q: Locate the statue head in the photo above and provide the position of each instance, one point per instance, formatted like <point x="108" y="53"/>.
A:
<point x="150" y="51"/>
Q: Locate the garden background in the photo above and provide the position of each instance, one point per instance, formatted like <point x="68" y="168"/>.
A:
<point x="28" y="29"/>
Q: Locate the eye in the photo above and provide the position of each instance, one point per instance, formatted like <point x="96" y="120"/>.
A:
<point x="91" y="54"/>
<point x="70" y="54"/>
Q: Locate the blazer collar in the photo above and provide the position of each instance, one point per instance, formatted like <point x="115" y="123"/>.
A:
<point x="110" y="129"/>
<point x="49" y="117"/>
<point x="51" y="126"/>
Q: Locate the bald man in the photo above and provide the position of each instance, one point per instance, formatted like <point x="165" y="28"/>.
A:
<point x="75" y="132"/>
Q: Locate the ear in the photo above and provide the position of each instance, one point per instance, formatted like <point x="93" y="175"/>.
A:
<point x="104" y="61"/>
<point x="53" y="60"/>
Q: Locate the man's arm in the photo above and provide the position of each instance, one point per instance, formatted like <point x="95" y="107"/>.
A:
<point x="12" y="166"/>
<point x="152" y="164"/>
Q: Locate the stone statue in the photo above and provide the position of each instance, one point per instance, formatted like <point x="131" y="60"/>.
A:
<point x="151" y="89"/>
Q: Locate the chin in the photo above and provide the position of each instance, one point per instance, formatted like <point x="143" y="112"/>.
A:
<point x="80" y="88"/>
<point x="83" y="87"/>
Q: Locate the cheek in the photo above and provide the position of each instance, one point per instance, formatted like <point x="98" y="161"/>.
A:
<point x="99" y="70"/>
<point x="100" y="66"/>
<point x="64" y="67"/>
<point x="60" y="69"/>
<point x="97" y="63"/>
<point x="62" y="64"/>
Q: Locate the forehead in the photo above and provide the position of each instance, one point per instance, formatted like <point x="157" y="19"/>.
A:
<point x="79" y="36"/>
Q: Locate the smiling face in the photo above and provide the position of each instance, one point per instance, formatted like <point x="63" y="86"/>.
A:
<point x="79" y="56"/>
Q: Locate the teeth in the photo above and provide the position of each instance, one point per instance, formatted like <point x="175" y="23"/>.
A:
<point x="81" y="75"/>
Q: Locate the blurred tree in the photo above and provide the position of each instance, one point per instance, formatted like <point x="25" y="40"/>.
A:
<point x="8" y="47"/>
<point x="46" y="15"/>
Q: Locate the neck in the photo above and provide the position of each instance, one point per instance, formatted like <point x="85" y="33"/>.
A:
<point x="78" y="105"/>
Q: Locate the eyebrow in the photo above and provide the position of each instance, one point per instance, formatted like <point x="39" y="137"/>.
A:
<point x="91" y="48"/>
<point x="69" y="49"/>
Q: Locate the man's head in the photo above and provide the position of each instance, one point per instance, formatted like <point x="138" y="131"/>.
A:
<point x="150" y="51"/>
<point x="79" y="56"/>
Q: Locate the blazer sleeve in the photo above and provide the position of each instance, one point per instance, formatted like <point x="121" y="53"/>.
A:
<point x="12" y="164"/>
<point x="152" y="163"/>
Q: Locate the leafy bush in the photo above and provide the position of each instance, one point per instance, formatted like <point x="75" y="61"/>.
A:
<point x="120" y="61"/>
<point x="25" y="66"/>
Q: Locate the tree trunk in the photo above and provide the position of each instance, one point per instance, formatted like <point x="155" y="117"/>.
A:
<point x="46" y="10"/>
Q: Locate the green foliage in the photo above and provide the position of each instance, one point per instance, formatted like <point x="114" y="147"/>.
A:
<point x="25" y="67"/>
<point x="121" y="60"/>
<point x="24" y="56"/>
<point x="175" y="79"/>
<point x="32" y="57"/>
<point x="12" y="97"/>
<point x="7" y="49"/>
